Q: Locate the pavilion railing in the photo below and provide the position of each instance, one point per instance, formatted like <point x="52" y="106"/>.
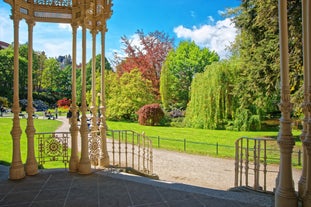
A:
<point x="254" y="159"/>
<point x="131" y="150"/>
<point x="126" y="149"/>
<point x="64" y="3"/>
<point x="53" y="147"/>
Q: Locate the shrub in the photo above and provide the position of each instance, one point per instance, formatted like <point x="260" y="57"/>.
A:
<point x="39" y="105"/>
<point x="4" y="102"/>
<point x="65" y="102"/>
<point x="150" y="114"/>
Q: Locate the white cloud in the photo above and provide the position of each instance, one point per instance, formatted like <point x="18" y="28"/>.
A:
<point x="215" y="37"/>
<point x="192" y="14"/>
<point x="211" y="19"/>
<point x="66" y="27"/>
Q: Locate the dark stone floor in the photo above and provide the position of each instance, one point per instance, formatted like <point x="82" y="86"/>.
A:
<point x="53" y="188"/>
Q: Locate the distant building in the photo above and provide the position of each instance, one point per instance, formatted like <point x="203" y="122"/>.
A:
<point x="3" y="45"/>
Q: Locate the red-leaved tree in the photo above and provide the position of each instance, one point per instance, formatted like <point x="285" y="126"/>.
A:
<point x="150" y="115"/>
<point x="147" y="54"/>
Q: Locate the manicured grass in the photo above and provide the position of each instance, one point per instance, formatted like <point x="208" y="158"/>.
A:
<point x="41" y="125"/>
<point x="220" y="143"/>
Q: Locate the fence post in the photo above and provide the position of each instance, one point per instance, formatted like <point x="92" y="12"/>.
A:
<point x="299" y="157"/>
<point x="185" y="144"/>
<point x="158" y="141"/>
<point x="217" y="148"/>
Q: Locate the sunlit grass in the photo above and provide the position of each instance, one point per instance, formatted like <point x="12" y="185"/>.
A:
<point x="41" y="125"/>
<point x="220" y="143"/>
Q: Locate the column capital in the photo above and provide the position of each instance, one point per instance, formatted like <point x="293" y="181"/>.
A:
<point x="93" y="32"/>
<point x="15" y="16"/>
<point x="30" y="22"/>
<point x="74" y="25"/>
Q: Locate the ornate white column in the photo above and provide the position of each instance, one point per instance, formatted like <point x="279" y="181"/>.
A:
<point x="31" y="166"/>
<point x="85" y="164"/>
<point x="302" y="180"/>
<point x="285" y="195"/>
<point x="104" y="157"/>
<point x="93" y="107"/>
<point x="74" y="129"/>
<point x="17" y="168"/>
<point x="307" y="141"/>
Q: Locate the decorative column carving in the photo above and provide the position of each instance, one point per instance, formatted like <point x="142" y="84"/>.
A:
<point x="104" y="157"/>
<point x="17" y="168"/>
<point x="85" y="164"/>
<point x="31" y="166"/>
<point x="93" y="107"/>
<point x="74" y="129"/>
<point x="302" y="180"/>
<point x="285" y="195"/>
<point x="307" y="142"/>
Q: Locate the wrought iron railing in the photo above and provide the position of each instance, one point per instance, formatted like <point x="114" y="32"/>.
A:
<point x="131" y="150"/>
<point x="126" y="149"/>
<point x="65" y="3"/>
<point x="53" y="147"/>
<point x="256" y="163"/>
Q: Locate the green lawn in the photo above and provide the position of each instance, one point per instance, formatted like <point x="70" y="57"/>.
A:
<point x="220" y="143"/>
<point x="41" y="125"/>
<point x="199" y="141"/>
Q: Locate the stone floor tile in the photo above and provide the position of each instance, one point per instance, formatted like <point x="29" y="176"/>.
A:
<point x="48" y="203"/>
<point x="48" y="195"/>
<point x="19" y="198"/>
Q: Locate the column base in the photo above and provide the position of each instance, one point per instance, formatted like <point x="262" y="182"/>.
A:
<point x="302" y="187"/>
<point x="17" y="171"/>
<point x="104" y="162"/>
<point x="306" y="199"/>
<point x="31" y="168"/>
<point x="85" y="167"/>
<point x="286" y="198"/>
<point x="73" y="164"/>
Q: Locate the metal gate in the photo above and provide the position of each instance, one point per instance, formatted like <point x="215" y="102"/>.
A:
<point x="251" y="166"/>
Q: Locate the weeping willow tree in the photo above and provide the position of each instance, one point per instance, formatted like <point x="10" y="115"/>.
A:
<point x="212" y="105"/>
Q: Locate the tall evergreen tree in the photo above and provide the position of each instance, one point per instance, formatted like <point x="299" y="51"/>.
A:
<point x="257" y="46"/>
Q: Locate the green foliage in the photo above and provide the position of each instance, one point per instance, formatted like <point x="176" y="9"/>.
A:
<point x="150" y="114"/>
<point x="212" y="104"/>
<point x="257" y="46"/>
<point x="130" y="92"/>
<point x="50" y="76"/>
<point x="4" y="102"/>
<point x="178" y="71"/>
<point x="89" y="78"/>
<point x="6" y="73"/>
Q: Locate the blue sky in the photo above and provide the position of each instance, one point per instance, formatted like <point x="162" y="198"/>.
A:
<point x="197" y="20"/>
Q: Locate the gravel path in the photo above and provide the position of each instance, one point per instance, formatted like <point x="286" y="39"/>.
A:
<point x="197" y="170"/>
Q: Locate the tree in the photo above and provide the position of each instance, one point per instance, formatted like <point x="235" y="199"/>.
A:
<point x="38" y="66"/>
<point x="178" y="71"/>
<point x="132" y="93"/>
<point x="150" y="115"/>
<point x="89" y="77"/>
<point x="212" y="105"/>
<point x="258" y="49"/>
<point x="6" y="74"/>
<point x="148" y="56"/>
